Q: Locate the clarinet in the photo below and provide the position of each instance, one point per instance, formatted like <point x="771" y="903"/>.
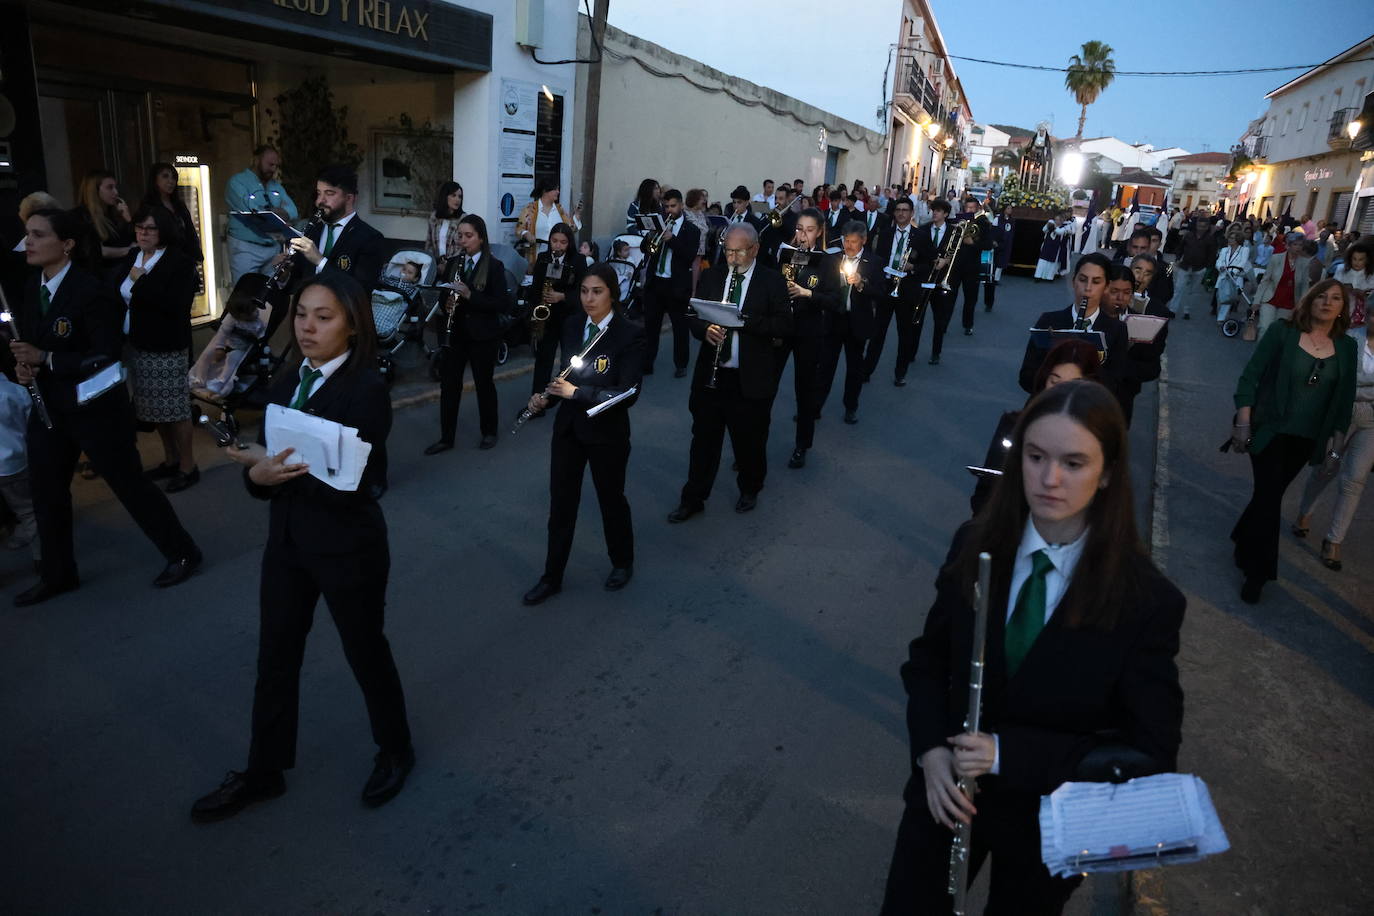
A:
<point x="715" y="364"/>
<point x="963" y="832"/>
<point x="35" y="394"/>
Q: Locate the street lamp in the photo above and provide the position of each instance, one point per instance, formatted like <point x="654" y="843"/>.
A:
<point x="1354" y="128"/>
<point x="949" y="141"/>
<point x="933" y="129"/>
<point x="1071" y="168"/>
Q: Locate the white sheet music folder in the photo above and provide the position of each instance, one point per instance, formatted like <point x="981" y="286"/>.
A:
<point x="334" y="452"/>
<point x="611" y="402"/>
<point x="721" y="313"/>
<point x="1144" y="328"/>
<point x="1167" y="819"/>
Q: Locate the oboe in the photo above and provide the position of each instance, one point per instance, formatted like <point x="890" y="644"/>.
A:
<point x="963" y="832"/>
<point x="577" y="362"/>
<point x="35" y="394"/>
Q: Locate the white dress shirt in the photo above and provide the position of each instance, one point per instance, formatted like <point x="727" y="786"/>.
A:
<point x="325" y="371"/>
<point x="338" y="231"/>
<point x="666" y="269"/>
<point x="56" y="281"/>
<point x="126" y="289"/>
<point x="733" y="361"/>
<point x="901" y="241"/>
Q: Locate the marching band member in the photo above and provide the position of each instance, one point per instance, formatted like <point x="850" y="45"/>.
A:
<point x="343" y="242"/>
<point x="932" y="257"/>
<point x="815" y="293"/>
<point x="668" y="284"/>
<point x="735" y="379"/>
<point x="1085" y="314"/>
<point x="967" y="271"/>
<point x="1081" y="641"/>
<point x="473" y="331"/>
<point x="895" y="248"/>
<point x="560" y="295"/>
<point x="322" y="541"/>
<point x="610" y="369"/>
<point x="69" y="326"/>
<point x="861" y="285"/>
<point x="740" y="211"/>
<point x="771" y="238"/>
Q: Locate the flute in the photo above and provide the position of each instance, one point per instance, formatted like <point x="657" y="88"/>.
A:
<point x="577" y="362"/>
<point x="34" y="393"/>
<point x="963" y="832"/>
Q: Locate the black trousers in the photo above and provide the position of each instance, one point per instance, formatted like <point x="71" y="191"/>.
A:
<point x="841" y="340"/>
<point x="354" y="589"/>
<point x="990" y="289"/>
<point x="884" y="308"/>
<point x="1257" y="532"/>
<point x="968" y="285"/>
<point x="659" y="301"/>
<point x="481" y="355"/>
<point x="106" y="434"/>
<point x="939" y="309"/>
<point x="544" y="356"/>
<point x="806" y="360"/>
<point x="716" y="411"/>
<point x="568" y="460"/>
<point x="1006" y="826"/>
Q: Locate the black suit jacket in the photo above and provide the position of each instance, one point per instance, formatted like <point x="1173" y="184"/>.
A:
<point x="965" y="260"/>
<point x="1072" y="688"/>
<point x="160" y="304"/>
<point x="1143" y="359"/>
<point x="684" y="246"/>
<point x="877" y="224"/>
<point x="834" y="230"/>
<point x="861" y="321"/>
<point x="83" y="330"/>
<point x="911" y="286"/>
<point x="310" y="516"/>
<point x="767" y="315"/>
<point x="750" y="217"/>
<point x="1114" y="368"/>
<point x="569" y="284"/>
<point x="357" y="251"/>
<point x="811" y="314"/>
<point x="771" y="239"/>
<point x="479" y="316"/>
<point x="614" y="366"/>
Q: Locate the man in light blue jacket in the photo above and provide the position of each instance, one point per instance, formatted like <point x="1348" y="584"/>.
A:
<point x="256" y="188"/>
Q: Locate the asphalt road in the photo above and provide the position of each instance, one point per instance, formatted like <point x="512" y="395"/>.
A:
<point x="724" y="736"/>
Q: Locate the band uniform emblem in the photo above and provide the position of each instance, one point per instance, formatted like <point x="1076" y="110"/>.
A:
<point x="602" y="364"/>
<point x="811" y="281"/>
<point x="345" y="262"/>
<point x="62" y="327"/>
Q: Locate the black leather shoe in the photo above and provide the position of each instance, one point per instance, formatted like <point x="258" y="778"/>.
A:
<point x="619" y="578"/>
<point x="868" y="377"/>
<point x="935" y="360"/>
<point x="685" y="511"/>
<point x="543" y="590"/>
<point x="437" y="447"/>
<point x="987" y="308"/>
<point x="679" y="373"/>
<point x="899" y="381"/>
<point x="1250" y="591"/>
<point x="178" y="571"/>
<point x="746" y="502"/>
<point x="162" y="472"/>
<point x="41" y="591"/>
<point x="487" y="442"/>
<point x="184" y="481"/>
<point x="798" y="459"/>
<point x="968" y="332"/>
<point x="851" y="417"/>
<point x="238" y="791"/>
<point x="388" y="776"/>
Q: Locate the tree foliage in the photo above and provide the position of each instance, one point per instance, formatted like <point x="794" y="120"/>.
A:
<point x="1090" y="73"/>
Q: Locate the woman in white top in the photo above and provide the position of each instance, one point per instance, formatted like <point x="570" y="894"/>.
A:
<point x="1357" y="273"/>
<point x="442" y="239"/>
<point x="1233" y="266"/>
<point x="539" y="217"/>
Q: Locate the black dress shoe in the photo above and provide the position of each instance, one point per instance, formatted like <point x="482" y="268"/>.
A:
<point x="935" y="360"/>
<point x="899" y="381"/>
<point x="851" y="417"/>
<point x="746" y="502"/>
<point x="619" y="578"/>
<point x="679" y="373"/>
<point x="238" y="791"/>
<point x="162" y="472"/>
<point x="437" y="447"/>
<point x="178" y="571"/>
<point x="488" y="441"/>
<point x="798" y="459"/>
<point x="184" y="481"/>
<point x="389" y="774"/>
<point x="987" y="308"/>
<point x="868" y="377"/>
<point x="685" y="511"/>
<point x="42" y="591"/>
<point x="543" y="590"/>
<point x="968" y="332"/>
<point x="1250" y="591"/>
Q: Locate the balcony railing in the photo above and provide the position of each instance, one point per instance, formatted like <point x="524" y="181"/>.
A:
<point x="1257" y="148"/>
<point x="1336" y="136"/>
<point x="923" y="92"/>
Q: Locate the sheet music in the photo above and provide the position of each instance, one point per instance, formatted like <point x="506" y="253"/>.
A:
<point x="721" y="313"/>
<point x="88" y="389"/>
<point x="1045" y="338"/>
<point x="1144" y="328"/>
<point x="1156" y="820"/>
<point x="335" y="453"/>
<point x="611" y="402"/>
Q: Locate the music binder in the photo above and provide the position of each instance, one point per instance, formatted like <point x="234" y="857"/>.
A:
<point x="612" y="401"/>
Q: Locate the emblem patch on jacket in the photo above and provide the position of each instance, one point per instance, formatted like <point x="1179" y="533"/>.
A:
<point x="811" y="281"/>
<point x="62" y="327"/>
<point x="344" y="262"/>
<point x="602" y="364"/>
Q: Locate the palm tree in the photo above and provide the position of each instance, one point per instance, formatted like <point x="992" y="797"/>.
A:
<point x="1090" y="73"/>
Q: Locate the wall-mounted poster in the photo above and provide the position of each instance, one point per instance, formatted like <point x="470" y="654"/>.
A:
<point x="407" y="168"/>
<point x="519" y="118"/>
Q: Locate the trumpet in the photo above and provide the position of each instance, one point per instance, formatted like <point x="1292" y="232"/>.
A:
<point x="960" y="849"/>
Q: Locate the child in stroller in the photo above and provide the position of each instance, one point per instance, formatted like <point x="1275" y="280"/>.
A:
<point x="398" y="305"/>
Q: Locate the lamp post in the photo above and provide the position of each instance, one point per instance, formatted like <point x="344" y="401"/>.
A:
<point x="1353" y="128"/>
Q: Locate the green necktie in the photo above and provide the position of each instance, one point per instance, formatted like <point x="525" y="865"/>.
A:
<point x="591" y="332"/>
<point x="1082" y="324"/>
<point x="303" y="392"/>
<point x="44" y="300"/>
<point x="898" y="249"/>
<point x="1028" y="618"/>
<point x="329" y="241"/>
<point x="736" y="284"/>
<point x="467" y="268"/>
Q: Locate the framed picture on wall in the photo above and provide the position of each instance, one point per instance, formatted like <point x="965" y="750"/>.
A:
<point x="407" y="169"/>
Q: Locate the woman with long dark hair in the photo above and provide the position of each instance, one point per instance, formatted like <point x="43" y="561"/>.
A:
<point x="1082" y="632"/>
<point x="441" y="240"/>
<point x="322" y="541"/>
<point x="540" y="215"/>
<point x="609" y="369"/>
<point x="557" y="280"/>
<point x="470" y="333"/>
<point x="162" y="192"/>
<point x="648" y="199"/>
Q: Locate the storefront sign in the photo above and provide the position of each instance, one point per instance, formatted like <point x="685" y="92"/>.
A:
<point x="1320" y="174"/>
<point x="440" y="35"/>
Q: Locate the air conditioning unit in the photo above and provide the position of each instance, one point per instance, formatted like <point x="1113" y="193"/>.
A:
<point x="529" y="23"/>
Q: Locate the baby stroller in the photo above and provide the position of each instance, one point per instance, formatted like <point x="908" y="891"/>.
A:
<point x="235" y="368"/>
<point x="627" y="270"/>
<point x="1235" y="278"/>
<point x="398" y="308"/>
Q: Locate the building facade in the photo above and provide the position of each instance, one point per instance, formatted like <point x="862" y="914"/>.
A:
<point x="120" y="85"/>
<point x="1297" y="159"/>
<point x="930" y="116"/>
<point x="1196" y="180"/>
<point x="984" y="140"/>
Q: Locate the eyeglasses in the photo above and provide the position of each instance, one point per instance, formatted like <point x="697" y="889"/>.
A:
<point x="736" y="250"/>
<point x="145" y="228"/>
<point x="1315" y="377"/>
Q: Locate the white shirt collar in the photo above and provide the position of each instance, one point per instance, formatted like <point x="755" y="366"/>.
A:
<point x="1063" y="555"/>
<point x="326" y="370"/>
<point x="148" y="262"/>
<point x="56" y="281"/>
<point x="600" y="325"/>
<point x="341" y="222"/>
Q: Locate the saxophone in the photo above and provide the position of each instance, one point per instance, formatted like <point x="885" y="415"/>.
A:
<point x="541" y="312"/>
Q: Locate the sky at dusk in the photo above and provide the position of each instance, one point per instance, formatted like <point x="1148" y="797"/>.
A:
<point x="839" y="51"/>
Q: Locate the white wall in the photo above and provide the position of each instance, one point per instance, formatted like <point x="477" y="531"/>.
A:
<point x="1292" y="133"/>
